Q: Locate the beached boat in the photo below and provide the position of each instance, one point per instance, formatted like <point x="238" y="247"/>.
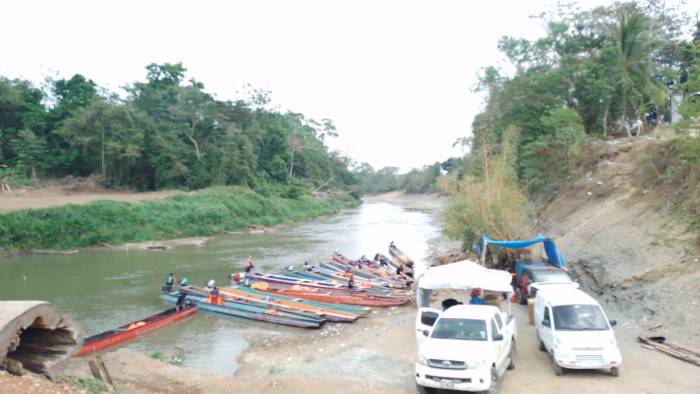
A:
<point x="128" y="331"/>
<point x="401" y="256"/>
<point x="373" y="276"/>
<point x="352" y="309"/>
<point x="253" y="313"/>
<point x="316" y="284"/>
<point x="335" y="297"/>
<point x="267" y="300"/>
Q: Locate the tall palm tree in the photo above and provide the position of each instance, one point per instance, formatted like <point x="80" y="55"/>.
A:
<point x="634" y="40"/>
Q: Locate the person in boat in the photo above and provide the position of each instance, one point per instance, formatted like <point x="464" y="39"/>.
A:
<point x="210" y="285"/>
<point x="235" y="279"/>
<point x="169" y="282"/>
<point x="214" y="296"/>
<point x="476" y="298"/>
<point x="308" y="267"/>
<point x="181" y="303"/>
<point x="185" y="282"/>
<point x="349" y="276"/>
<point x="249" y="265"/>
<point x="399" y="270"/>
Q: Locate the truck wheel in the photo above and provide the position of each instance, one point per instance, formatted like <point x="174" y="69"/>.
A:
<point x="511" y="363"/>
<point x="615" y="371"/>
<point x="425" y="390"/>
<point x="557" y="369"/>
<point x="495" y="384"/>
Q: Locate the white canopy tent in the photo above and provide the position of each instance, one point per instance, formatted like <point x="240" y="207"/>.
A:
<point x="463" y="275"/>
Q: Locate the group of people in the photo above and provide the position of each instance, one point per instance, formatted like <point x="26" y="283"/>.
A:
<point x="210" y="286"/>
<point x="170" y="282"/>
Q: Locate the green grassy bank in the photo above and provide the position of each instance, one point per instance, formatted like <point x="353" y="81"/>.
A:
<point x="207" y="212"/>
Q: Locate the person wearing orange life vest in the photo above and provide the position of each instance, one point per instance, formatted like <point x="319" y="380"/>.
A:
<point x="214" y="296"/>
<point x="249" y="265"/>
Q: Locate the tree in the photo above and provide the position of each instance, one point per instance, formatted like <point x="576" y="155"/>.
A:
<point x="634" y="40"/>
<point x="31" y="153"/>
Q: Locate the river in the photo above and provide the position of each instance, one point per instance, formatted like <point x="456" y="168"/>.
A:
<point x="105" y="289"/>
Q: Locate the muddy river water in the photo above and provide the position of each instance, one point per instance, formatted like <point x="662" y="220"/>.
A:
<point x="105" y="289"/>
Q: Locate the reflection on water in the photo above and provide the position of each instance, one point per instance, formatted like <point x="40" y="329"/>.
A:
<point x="103" y="290"/>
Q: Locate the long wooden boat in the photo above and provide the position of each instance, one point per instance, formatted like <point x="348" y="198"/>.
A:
<point x="328" y="314"/>
<point x="254" y="305"/>
<point x="336" y="298"/>
<point x="401" y="256"/>
<point x="128" y="331"/>
<point x="369" y="285"/>
<point x="326" y="285"/>
<point x="231" y="309"/>
<point x="352" y="309"/>
<point x="371" y="275"/>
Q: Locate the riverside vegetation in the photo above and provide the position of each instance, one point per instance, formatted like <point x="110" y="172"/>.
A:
<point x="254" y="164"/>
<point x="592" y="74"/>
<point x="207" y="212"/>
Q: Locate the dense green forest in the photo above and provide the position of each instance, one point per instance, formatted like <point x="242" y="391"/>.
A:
<point x="593" y="74"/>
<point x="166" y="133"/>
<point x="421" y="180"/>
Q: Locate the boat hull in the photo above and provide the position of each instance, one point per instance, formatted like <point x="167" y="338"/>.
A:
<point x="96" y="343"/>
<point x="228" y="309"/>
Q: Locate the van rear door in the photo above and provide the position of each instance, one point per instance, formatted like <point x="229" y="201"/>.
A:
<point x="425" y="320"/>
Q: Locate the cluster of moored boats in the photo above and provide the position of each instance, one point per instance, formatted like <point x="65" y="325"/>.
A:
<point x="336" y="290"/>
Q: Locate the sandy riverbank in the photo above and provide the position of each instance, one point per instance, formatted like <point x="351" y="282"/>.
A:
<point x="51" y="196"/>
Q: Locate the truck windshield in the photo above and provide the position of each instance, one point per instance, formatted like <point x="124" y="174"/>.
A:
<point x="464" y="329"/>
<point x="579" y="318"/>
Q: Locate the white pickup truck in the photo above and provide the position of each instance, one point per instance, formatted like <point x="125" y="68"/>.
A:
<point x="466" y="347"/>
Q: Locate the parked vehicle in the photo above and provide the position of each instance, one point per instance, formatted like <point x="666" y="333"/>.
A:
<point x="528" y="273"/>
<point x="468" y="347"/>
<point x="574" y="330"/>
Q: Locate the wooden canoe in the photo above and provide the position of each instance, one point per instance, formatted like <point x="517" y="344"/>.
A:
<point x="128" y="331"/>
<point x="328" y="314"/>
<point x="401" y="256"/>
<point x="335" y="298"/>
<point x="352" y="309"/>
<point x="229" y="308"/>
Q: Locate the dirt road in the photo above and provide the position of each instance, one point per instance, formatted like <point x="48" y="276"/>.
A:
<point x="379" y="353"/>
<point x="52" y="196"/>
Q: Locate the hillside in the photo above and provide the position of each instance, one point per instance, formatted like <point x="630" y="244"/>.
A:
<point x="626" y="244"/>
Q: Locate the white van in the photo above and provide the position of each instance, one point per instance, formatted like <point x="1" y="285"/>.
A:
<point x="573" y="329"/>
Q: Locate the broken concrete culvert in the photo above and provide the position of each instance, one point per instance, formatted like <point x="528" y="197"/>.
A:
<point x="35" y="337"/>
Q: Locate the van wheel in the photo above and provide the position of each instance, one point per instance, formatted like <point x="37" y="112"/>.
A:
<point x="495" y="384"/>
<point x="557" y="369"/>
<point x="425" y="390"/>
<point x="511" y="363"/>
<point x="615" y="371"/>
<point x="542" y="348"/>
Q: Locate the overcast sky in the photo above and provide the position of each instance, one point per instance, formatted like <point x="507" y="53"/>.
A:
<point x="395" y="76"/>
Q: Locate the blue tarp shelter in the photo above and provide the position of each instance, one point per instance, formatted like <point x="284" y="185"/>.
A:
<point x="553" y="256"/>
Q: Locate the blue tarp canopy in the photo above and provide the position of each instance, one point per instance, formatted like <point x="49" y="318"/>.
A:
<point x="553" y="256"/>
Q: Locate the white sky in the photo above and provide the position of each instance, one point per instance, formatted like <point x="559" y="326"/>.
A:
<point x="395" y="76"/>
